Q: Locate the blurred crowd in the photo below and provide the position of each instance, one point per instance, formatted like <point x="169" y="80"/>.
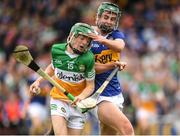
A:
<point x="151" y="81"/>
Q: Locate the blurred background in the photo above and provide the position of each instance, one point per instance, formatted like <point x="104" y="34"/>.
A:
<point x="151" y="80"/>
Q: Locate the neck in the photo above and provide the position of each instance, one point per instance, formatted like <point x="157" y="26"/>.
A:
<point x="68" y="49"/>
<point x="99" y="31"/>
<point x="103" y="34"/>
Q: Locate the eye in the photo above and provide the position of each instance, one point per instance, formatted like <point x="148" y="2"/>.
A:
<point x="113" y="19"/>
<point x="81" y="37"/>
<point x="106" y="17"/>
<point x="89" y="40"/>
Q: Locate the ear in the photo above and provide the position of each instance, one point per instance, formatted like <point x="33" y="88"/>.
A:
<point x="97" y="19"/>
<point x="69" y="37"/>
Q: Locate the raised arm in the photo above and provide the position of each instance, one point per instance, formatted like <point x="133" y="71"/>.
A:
<point x="88" y="90"/>
<point x="115" y="45"/>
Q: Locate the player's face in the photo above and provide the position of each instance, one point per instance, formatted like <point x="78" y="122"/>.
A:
<point x="81" y="43"/>
<point x="107" y="21"/>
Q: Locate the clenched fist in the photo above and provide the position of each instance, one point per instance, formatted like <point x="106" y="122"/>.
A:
<point x="34" y="88"/>
<point x="121" y="65"/>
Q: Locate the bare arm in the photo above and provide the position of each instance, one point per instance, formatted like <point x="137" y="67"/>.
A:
<point x="101" y="68"/>
<point x="49" y="70"/>
<point x="115" y="45"/>
<point x="34" y="88"/>
<point x="88" y="90"/>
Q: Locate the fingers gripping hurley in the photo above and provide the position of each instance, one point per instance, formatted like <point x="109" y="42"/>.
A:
<point x="92" y="101"/>
<point x="22" y="55"/>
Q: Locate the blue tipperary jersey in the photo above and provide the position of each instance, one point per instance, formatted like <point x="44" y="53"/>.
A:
<point x="105" y="55"/>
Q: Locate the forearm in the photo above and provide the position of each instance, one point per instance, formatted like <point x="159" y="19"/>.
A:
<point x="116" y="45"/>
<point x="100" y="68"/>
<point x="88" y="90"/>
<point x="49" y="70"/>
<point x="35" y="87"/>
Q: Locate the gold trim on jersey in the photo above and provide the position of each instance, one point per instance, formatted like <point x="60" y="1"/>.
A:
<point x="73" y="88"/>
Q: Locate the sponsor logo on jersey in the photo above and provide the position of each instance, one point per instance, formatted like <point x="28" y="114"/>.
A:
<point x="95" y="45"/>
<point x="58" y="61"/>
<point x="69" y="76"/>
<point x="106" y="56"/>
<point x="103" y="58"/>
<point x="53" y="107"/>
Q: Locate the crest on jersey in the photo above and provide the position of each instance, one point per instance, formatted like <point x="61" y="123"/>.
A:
<point x="81" y="68"/>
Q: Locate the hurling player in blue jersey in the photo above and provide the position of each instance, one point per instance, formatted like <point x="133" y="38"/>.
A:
<point x="107" y="46"/>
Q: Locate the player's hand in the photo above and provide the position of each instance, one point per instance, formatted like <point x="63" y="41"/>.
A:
<point x="34" y="88"/>
<point x="96" y="37"/>
<point x="77" y="100"/>
<point x="121" y="65"/>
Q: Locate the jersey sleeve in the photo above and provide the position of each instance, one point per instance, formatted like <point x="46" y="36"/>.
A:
<point x="118" y="35"/>
<point x="90" y="70"/>
<point x="53" y="54"/>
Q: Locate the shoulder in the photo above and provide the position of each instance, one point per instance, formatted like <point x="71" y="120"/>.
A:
<point x="58" y="46"/>
<point x="118" y="34"/>
<point x="88" y="56"/>
<point x="95" y="29"/>
<point x="88" y="60"/>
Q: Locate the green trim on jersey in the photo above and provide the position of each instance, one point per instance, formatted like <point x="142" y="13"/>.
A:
<point x="72" y="69"/>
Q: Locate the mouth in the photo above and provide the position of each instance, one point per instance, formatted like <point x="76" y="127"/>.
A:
<point x="107" y="25"/>
<point x="82" y="47"/>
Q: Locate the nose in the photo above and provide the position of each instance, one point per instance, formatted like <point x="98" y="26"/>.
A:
<point x="108" y="21"/>
<point x="85" y="42"/>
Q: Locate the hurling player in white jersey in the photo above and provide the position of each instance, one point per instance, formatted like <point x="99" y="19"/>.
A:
<point x="107" y="46"/>
<point x="73" y="68"/>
